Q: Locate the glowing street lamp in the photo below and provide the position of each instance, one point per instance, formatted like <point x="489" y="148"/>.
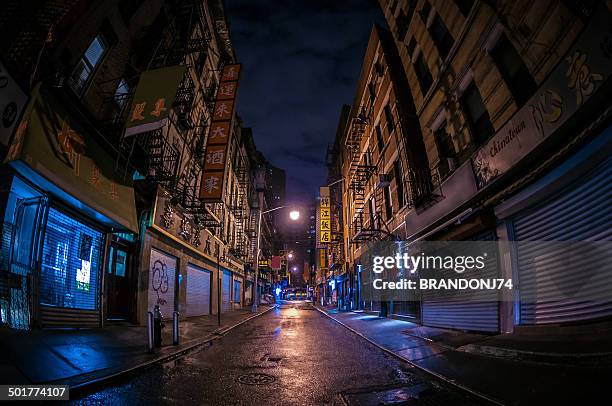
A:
<point x="293" y="215"/>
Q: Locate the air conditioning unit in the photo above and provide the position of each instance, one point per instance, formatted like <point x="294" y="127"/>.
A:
<point x="383" y="181"/>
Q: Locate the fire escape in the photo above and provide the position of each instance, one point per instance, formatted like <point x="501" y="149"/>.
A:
<point x="422" y="186"/>
<point x="366" y="225"/>
<point x="237" y="206"/>
<point x="151" y="151"/>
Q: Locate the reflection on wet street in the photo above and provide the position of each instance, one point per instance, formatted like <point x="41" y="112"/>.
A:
<point x="291" y="356"/>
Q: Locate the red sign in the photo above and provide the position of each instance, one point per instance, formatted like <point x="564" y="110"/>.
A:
<point x="276" y="263"/>
<point x="213" y="175"/>
<point x="219" y="133"/>
<point x="215" y="158"/>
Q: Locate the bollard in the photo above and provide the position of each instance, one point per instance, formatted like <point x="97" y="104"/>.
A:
<point x="158" y="324"/>
<point x="150" y="331"/>
<point x="175" y="328"/>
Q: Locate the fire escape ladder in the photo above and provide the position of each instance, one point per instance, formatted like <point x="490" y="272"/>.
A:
<point x="237" y="206"/>
<point x="422" y="186"/>
<point x="184" y="101"/>
<point x="161" y="157"/>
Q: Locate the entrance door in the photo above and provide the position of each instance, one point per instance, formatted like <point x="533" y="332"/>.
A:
<point x="24" y="260"/>
<point x="118" y="284"/>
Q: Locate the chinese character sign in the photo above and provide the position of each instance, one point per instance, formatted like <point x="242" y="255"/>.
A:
<point x="324" y="216"/>
<point x="153" y="98"/>
<point x="213" y="176"/>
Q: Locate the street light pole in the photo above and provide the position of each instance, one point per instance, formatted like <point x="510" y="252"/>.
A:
<point x="255" y="287"/>
<point x="256" y="270"/>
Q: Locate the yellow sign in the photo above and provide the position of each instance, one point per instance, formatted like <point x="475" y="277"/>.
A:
<point x="325" y="215"/>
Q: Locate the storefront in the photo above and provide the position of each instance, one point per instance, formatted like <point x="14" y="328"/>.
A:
<point x="198" y="291"/>
<point x="237" y="293"/>
<point x="468" y="310"/>
<point x="63" y="211"/>
<point x="184" y="266"/>
<point x="571" y="203"/>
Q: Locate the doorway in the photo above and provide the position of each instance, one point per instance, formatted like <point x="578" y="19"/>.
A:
<point x="119" y="283"/>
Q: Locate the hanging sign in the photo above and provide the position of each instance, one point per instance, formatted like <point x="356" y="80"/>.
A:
<point x="325" y="215"/>
<point x="153" y="99"/>
<point x="213" y="175"/>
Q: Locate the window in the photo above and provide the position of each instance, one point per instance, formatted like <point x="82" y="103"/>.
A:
<point x="87" y="64"/>
<point x="372" y="91"/>
<point x="388" y="206"/>
<point x="424" y="12"/>
<point x="399" y="181"/>
<point x="393" y="6"/>
<point x="380" y="141"/>
<point x="444" y="142"/>
<point x="465" y="6"/>
<point x="477" y="114"/>
<point x="372" y="211"/>
<point x="121" y="93"/>
<point x="71" y="261"/>
<point x="513" y="70"/>
<point x="411" y="46"/>
<point x="441" y="37"/>
<point x="402" y="22"/>
<point x="389" y="118"/>
<point x="422" y="74"/>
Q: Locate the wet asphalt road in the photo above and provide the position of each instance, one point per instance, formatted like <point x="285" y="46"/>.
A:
<point x="292" y="355"/>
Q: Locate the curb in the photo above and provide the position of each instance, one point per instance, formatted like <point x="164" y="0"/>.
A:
<point x="78" y="389"/>
<point x="542" y="358"/>
<point x="427" y="371"/>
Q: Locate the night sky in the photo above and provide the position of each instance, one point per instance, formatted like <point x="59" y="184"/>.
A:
<point x="301" y="61"/>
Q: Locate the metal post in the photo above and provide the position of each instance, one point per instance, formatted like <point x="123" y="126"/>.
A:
<point x="219" y="276"/>
<point x="175" y="328"/>
<point x="256" y="270"/>
<point x="150" y="331"/>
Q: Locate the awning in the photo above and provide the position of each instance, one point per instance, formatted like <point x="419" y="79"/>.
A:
<point x="53" y="150"/>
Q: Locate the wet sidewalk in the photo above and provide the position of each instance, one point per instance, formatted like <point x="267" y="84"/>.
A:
<point x="511" y="369"/>
<point x="78" y="357"/>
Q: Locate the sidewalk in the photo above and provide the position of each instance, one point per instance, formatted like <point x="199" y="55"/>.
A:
<point x="511" y="369"/>
<point x="79" y="357"/>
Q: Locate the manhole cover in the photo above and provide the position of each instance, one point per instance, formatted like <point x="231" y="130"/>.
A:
<point x="255" y="379"/>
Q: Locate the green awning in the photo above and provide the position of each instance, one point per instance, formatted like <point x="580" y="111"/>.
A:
<point x="57" y="147"/>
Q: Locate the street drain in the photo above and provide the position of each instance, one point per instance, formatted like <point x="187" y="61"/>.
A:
<point x="256" y="378"/>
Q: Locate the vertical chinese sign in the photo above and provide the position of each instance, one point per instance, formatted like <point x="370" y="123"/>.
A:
<point x="325" y="216"/>
<point x="153" y="98"/>
<point x="213" y="175"/>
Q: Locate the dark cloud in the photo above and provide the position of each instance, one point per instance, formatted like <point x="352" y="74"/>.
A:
<point x="300" y="61"/>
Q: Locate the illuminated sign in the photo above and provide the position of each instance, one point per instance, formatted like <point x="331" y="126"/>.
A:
<point x="213" y="175"/>
<point x="324" y="216"/>
<point x="83" y="275"/>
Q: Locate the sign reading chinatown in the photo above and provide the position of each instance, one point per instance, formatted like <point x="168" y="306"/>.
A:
<point x="580" y="74"/>
<point x="153" y="99"/>
<point x="324" y="216"/>
<point x="213" y="175"/>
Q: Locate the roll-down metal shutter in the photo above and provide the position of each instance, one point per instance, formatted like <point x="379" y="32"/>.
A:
<point x="198" y="291"/>
<point x="581" y="212"/>
<point x="478" y="312"/>
<point x="162" y="273"/>
<point x="226" y="291"/>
